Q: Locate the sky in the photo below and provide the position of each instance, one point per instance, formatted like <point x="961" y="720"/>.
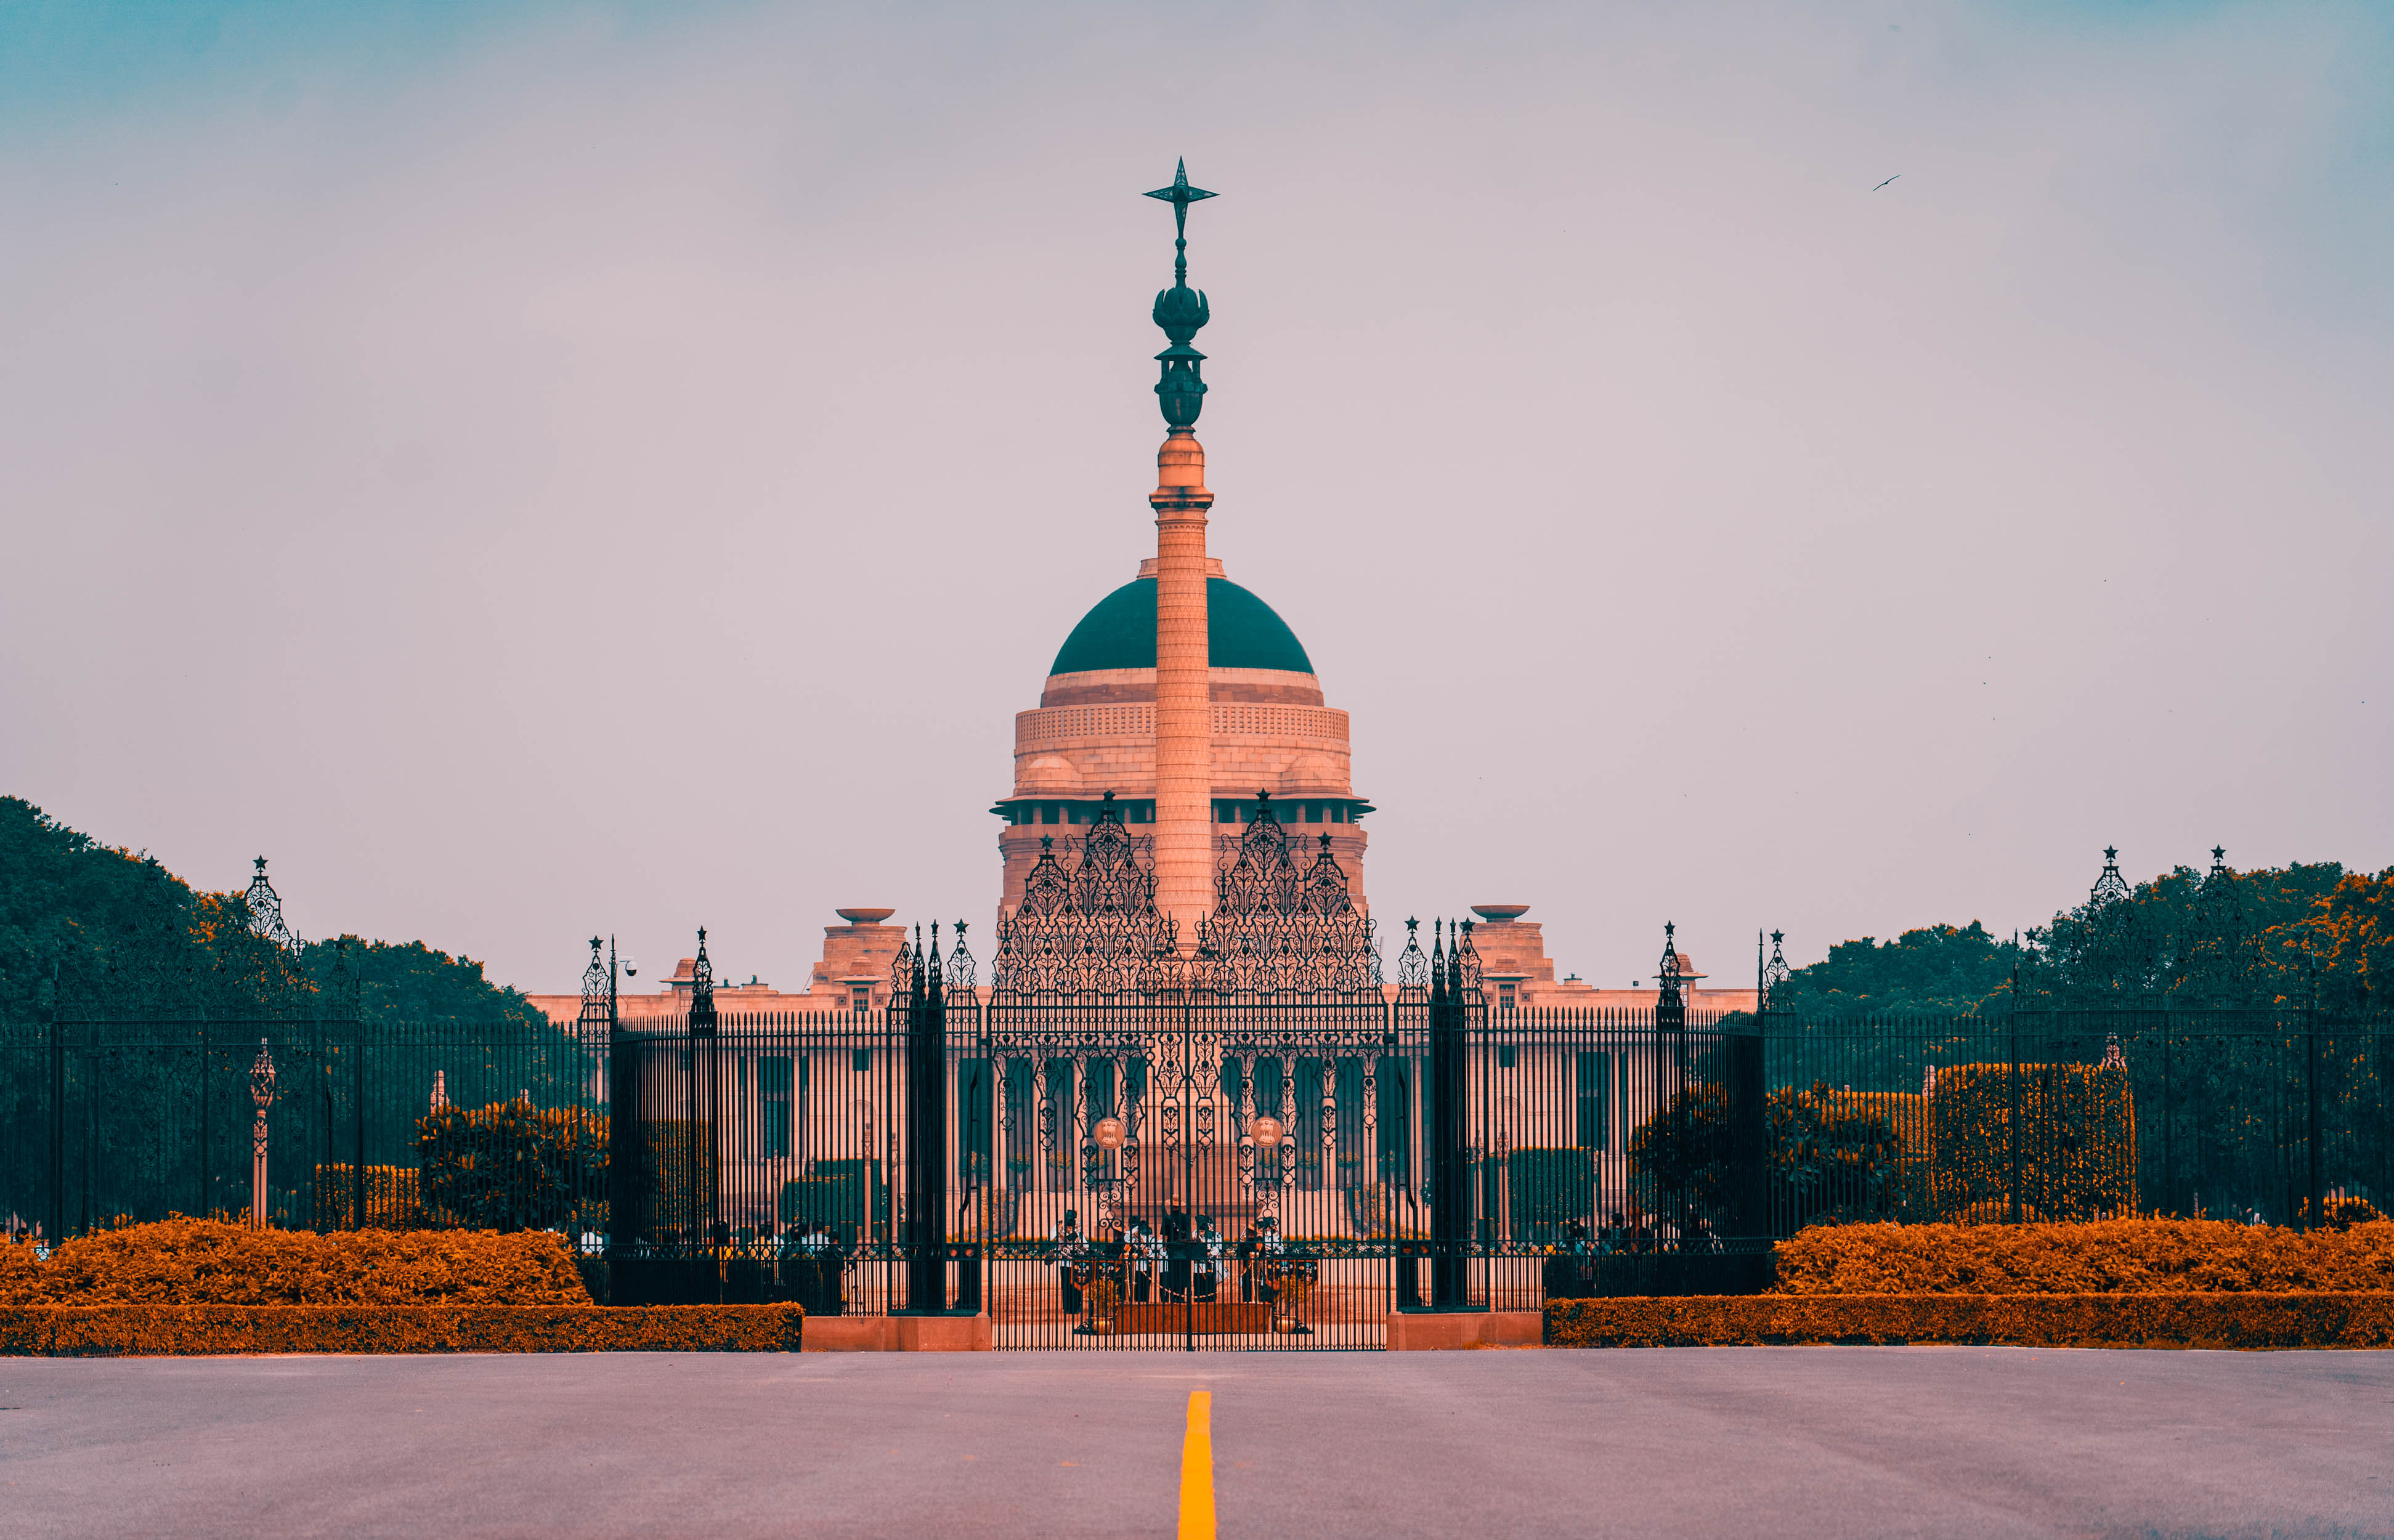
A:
<point x="533" y="470"/>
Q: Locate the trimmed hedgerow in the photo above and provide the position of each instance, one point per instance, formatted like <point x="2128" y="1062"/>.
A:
<point x="2229" y="1320"/>
<point x="512" y="1165"/>
<point x="391" y="1202"/>
<point x="206" y="1262"/>
<point x="2075" y="1155"/>
<point x="114" y="1331"/>
<point x="2166" y="1256"/>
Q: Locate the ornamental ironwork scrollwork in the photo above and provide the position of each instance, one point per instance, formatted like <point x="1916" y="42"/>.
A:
<point x="1090" y="929"/>
<point x="1280" y="930"/>
<point x="2216" y="960"/>
<point x="701" y="990"/>
<point x="1670" y="1000"/>
<point x="1413" y="968"/>
<point x="1775" y="974"/>
<point x="265" y="909"/>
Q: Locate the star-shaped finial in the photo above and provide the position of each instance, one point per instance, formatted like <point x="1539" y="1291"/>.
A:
<point x="1180" y="196"/>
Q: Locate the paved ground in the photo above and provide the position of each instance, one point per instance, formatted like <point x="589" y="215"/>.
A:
<point x="1766" y="1443"/>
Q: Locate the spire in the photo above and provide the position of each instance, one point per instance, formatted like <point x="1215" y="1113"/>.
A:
<point x="1181" y="310"/>
<point x="701" y="990"/>
<point x="1184" y="755"/>
<point x="2111" y="887"/>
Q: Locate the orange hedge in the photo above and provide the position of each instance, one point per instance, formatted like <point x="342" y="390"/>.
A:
<point x="391" y="1202"/>
<point x="2232" y="1320"/>
<point x="2077" y="1145"/>
<point x="119" y="1331"/>
<point x="207" y="1262"/>
<point x="2107" y="1257"/>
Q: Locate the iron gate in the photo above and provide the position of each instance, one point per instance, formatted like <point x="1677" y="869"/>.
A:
<point x="1258" y="1144"/>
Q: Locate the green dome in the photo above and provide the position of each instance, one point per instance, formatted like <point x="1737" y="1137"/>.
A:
<point x="1240" y="632"/>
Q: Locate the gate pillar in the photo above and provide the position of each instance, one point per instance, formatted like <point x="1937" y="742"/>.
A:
<point x="924" y="1233"/>
<point x="1449" y="1214"/>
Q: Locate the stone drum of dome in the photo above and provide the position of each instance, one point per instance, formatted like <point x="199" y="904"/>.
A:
<point x="1094" y="732"/>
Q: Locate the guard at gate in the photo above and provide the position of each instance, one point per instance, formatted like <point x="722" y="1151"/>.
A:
<point x="1176" y="1240"/>
<point x="1143" y="1252"/>
<point x="1571" y="1271"/>
<point x="1282" y="1277"/>
<point x="1207" y="1269"/>
<point x="1070" y="1252"/>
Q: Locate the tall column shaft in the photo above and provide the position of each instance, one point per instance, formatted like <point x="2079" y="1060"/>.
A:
<point x="1184" y="742"/>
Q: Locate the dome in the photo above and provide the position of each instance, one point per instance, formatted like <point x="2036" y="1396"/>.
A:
<point x="1242" y="631"/>
<point x="1049" y="772"/>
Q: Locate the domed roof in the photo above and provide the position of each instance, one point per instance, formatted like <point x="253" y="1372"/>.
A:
<point x="1240" y="632"/>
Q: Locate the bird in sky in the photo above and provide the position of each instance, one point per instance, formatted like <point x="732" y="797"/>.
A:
<point x="1889" y="179"/>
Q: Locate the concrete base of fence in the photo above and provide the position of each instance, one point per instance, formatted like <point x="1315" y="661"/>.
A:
<point x="898" y="1333"/>
<point x="1419" y="1332"/>
<point x="2216" y="1321"/>
<point x="134" y="1330"/>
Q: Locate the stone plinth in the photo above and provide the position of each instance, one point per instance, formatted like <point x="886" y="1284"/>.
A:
<point x="1419" y="1332"/>
<point x="896" y="1334"/>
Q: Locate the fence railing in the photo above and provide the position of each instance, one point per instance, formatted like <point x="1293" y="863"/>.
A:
<point x="789" y="1141"/>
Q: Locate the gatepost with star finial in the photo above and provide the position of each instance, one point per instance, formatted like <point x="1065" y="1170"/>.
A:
<point x="1184" y="749"/>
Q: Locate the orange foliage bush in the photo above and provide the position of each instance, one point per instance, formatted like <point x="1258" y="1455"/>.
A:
<point x="2076" y="1153"/>
<point x="123" y="1331"/>
<point x="184" y="1261"/>
<point x="2104" y="1256"/>
<point x="2229" y="1320"/>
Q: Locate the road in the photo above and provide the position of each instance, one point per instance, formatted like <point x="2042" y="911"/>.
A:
<point x="1762" y="1443"/>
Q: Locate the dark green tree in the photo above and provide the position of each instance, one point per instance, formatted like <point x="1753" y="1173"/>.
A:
<point x="1937" y="969"/>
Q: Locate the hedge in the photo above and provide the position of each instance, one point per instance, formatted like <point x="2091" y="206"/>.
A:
<point x="512" y="1165"/>
<point x="2076" y="1157"/>
<point x="209" y="1262"/>
<point x="391" y="1202"/>
<point x="2166" y="1256"/>
<point x="2218" y="1321"/>
<point x="124" y="1331"/>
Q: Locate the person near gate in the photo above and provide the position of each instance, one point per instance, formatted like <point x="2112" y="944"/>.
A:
<point x="1285" y="1278"/>
<point x="1570" y="1270"/>
<point x="1207" y="1269"/>
<point x="1176" y="1240"/>
<point x="1069" y="1250"/>
<point x="1145" y="1253"/>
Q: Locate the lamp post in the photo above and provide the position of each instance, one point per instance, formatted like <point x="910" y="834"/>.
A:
<point x="261" y="1094"/>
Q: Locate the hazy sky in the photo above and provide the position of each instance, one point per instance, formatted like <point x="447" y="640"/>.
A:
<point x="531" y="470"/>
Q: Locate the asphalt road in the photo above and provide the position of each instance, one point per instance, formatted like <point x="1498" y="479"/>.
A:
<point x="1766" y="1443"/>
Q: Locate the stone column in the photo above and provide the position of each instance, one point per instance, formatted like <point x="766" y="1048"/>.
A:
<point x="1184" y="744"/>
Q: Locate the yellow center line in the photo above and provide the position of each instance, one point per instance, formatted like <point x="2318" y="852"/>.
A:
<point x="1197" y="1469"/>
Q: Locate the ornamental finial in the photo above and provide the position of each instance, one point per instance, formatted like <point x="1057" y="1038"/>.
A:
<point x="1181" y="310"/>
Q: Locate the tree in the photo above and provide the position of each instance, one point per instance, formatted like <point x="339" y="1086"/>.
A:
<point x="1940" y="969"/>
<point x="1829" y="1155"/>
<point x="410" y="981"/>
<point x="2220" y="937"/>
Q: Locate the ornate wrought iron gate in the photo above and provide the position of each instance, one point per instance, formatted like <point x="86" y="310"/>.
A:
<point x="1260" y="1142"/>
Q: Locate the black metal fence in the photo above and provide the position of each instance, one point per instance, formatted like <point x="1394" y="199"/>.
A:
<point x="2262" y="1116"/>
<point x="103" y="1123"/>
<point x="1190" y="1170"/>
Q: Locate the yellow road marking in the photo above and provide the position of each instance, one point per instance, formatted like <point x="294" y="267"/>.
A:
<point x="1197" y="1469"/>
